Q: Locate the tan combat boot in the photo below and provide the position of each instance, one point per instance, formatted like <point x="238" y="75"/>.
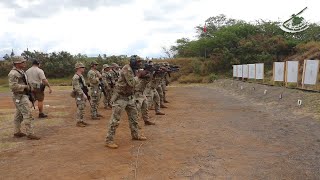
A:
<point x="149" y="123"/>
<point x="99" y="115"/>
<point x="33" y="137"/>
<point x="111" y="145"/>
<point x="80" y="124"/>
<point x="95" y="118"/>
<point x="160" y="113"/>
<point x="163" y="106"/>
<point x="139" y="138"/>
<point x="84" y="123"/>
<point x="19" y="134"/>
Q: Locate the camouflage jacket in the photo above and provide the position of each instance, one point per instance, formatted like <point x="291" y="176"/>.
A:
<point x="115" y="75"/>
<point x="93" y="77"/>
<point x="107" y="79"/>
<point x="155" y="81"/>
<point x="16" y="83"/>
<point x="141" y="84"/>
<point x="127" y="81"/>
<point x="76" y="85"/>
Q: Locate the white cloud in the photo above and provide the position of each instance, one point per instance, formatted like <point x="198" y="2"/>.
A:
<point x="124" y="27"/>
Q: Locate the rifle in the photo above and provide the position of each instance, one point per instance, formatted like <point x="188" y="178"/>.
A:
<point x="101" y="87"/>
<point x="111" y="83"/>
<point x="84" y="89"/>
<point x="31" y="97"/>
<point x="116" y="73"/>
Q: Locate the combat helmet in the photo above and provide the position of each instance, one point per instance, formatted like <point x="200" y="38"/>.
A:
<point x="94" y="63"/>
<point x="105" y="66"/>
<point x="79" y="65"/>
<point x="18" y="59"/>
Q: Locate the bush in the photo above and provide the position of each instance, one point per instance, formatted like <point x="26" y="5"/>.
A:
<point x="212" y="77"/>
<point x="191" y="78"/>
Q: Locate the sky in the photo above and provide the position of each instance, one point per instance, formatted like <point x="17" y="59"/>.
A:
<point x="125" y="27"/>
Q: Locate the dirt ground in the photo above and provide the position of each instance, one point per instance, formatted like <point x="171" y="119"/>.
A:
<point x="216" y="131"/>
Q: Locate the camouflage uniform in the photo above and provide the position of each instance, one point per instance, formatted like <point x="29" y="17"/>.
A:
<point x="123" y="99"/>
<point x="93" y="79"/>
<point x="20" y="99"/>
<point x="78" y="84"/>
<point x="164" y="83"/>
<point x="152" y="94"/>
<point x="141" y="99"/>
<point x="108" y="82"/>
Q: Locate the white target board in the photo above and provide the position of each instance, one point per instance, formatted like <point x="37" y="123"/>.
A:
<point x="252" y="71"/>
<point x="234" y="70"/>
<point x="239" y="70"/>
<point x="292" y="70"/>
<point x="310" y="72"/>
<point x="259" y="71"/>
<point x="278" y="71"/>
<point x="245" y="71"/>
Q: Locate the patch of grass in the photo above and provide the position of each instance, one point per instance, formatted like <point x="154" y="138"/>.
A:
<point x="4" y="81"/>
<point x="191" y="78"/>
<point x="8" y="145"/>
<point x="50" y="122"/>
<point x="60" y="81"/>
<point x="59" y="113"/>
<point x="5" y="120"/>
<point x="62" y="88"/>
<point x="4" y="89"/>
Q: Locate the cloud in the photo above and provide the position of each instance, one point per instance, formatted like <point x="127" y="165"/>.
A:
<point x="46" y="8"/>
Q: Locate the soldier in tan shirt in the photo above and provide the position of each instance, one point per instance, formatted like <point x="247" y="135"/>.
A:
<point x="38" y="81"/>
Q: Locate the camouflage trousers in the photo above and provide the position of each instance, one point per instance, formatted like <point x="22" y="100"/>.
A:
<point x="160" y="92"/>
<point x="120" y="104"/>
<point x="106" y="100"/>
<point x="23" y="113"/>
<point x="81" y="105"/>
<point x="95" y="98"/>
<point x="142" y="106"/>
<point x="153" y="99"/>
<point x="164" y="88"/>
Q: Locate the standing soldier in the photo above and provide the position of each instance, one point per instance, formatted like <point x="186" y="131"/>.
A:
<point x="123" y="99"/>
<point x="165" y="82"/>
<point x="108" y="85"/>
<point x="80" y="93"/>
<point x="153" y="95"/>
<point x="21" y="89"/>
<point x="141" y="99"/>
<point x="38" y="81"/>
<point x="115" y="69"/>
<point x="94" y="78"/>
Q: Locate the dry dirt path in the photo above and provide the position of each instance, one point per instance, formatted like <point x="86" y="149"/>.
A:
<point x="207" y="133"/>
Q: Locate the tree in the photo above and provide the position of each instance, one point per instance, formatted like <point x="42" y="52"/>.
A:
<point x="168" y="51"/>
<point x="6" y="57"/>
<point x="12" y="53"/>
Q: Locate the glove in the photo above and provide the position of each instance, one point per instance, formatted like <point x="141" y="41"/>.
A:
<point x="27" y="88"/>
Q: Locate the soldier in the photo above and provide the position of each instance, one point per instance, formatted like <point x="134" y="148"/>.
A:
<point x="115" y="69"/>
<point x="123" y="99"/>
<point x="38" y="81"/>
<point x="165" y="82"/>
<point x="18" y="83"/>
<point x="152" y="93"/>
<point x="141" y="99"/>
<point x="109" y="84"/>
<point x="94" y="78"/>
<point x="80" y="93"/>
